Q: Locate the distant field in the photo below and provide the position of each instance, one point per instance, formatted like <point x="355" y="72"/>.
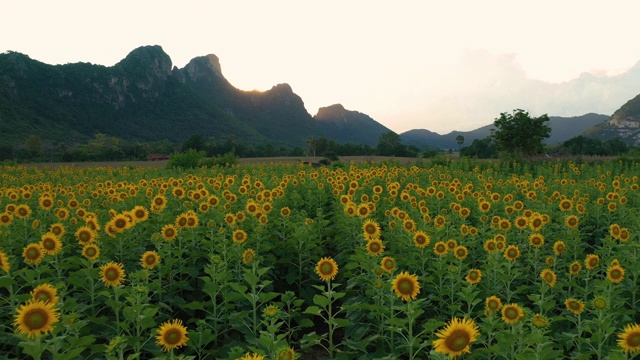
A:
<point x="163" y="163"/>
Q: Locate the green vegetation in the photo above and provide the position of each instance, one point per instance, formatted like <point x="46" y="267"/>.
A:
<point x="520" y="134"/>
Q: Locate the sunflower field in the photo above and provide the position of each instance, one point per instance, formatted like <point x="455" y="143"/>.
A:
<point x="479" y="260"/>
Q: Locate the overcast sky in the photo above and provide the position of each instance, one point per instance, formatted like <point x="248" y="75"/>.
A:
<point x="437" y="65"/>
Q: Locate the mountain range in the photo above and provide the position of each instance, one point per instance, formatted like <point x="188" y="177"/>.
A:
<point x="145" y="98"/>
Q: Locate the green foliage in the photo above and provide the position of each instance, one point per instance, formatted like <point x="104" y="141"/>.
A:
<point x="519" y="133"/>
<point x="188" y="159"/>
<point x="481" y="149"/>
<point x="224" y="160"/>
<point x="581" y="145"/>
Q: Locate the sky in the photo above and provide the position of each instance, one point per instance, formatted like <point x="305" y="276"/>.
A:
<point x="436" y="65"/>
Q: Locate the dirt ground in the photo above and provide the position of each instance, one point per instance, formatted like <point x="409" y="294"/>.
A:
<point x="163" y="163"/>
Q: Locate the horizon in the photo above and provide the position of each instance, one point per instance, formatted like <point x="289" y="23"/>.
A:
<point x="440" y="67"/>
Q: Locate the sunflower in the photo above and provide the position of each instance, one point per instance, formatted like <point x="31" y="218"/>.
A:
<point x="451" y="244"/>
<point x="512" y="252"/>
<point x="375" y="247"/>
<point x="33" y="253"/>
<point x="169" y="232"/>
<point x="539" y="321"/>
<point x="85" y="235"/>
<point x="474" y="276"/>
<point x="592" y="261"/>
<point x="409" y="225"/>
<point x="149" y="259"/>
<point x="512" y="313"/>
<point x="121" y="223"/>
<point x="112" y="274"/>
<point x="239" y="236"/>
<point x="536" y="222"/>
<point x="50" y="243"/>
<point x="521" y="222"/>
<point x="439" y="221"/>
<point x="171" y="335"/>
<point x="140" y="213"/>
<point x="615" y="273"/>
<point x="388" y="264"/>
<point x="286" y="354"/>
<point x="575" y="268"/>
<point x="22" y="211"/>
<point x="248" y="256"/>
<point x="271" y="311"/>
<point x="624" y="235"/>
<point x="440" y="248"/>
<point x="327" y="269"/>
<point x="421" y="239"/>
<point x="35" y="318"/>
<point x="406" y="286"/>
<point x="455" y="338"/>
<point x="614" y="231"/>
<point x="91" y="251"/>
<point x="460" y="252"/>
<point x="504" y="224"/>
<point x="536" y="240"/>
<point x="599" y="303"/>
<point x="575" y="306"/>
<point x="45" y="293"/>
<point x="629" y="339"/>
<point x="571" y="221"/>
<point x="6" y="218"/>
<point x="4" y="262"/>
<point x="371" y="229"/>
<point x="490" y="246"/>
<point x="549" y="277"/>
<point x="559" y="247"/>
<point x="285" y="211"/>
<point x="251" y="356"/>
<point x="493" y="304"/>
<point x="565" y="205"/>
<point x="46" y="203"/>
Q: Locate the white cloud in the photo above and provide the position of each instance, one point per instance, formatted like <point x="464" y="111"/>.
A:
<point x="481" y="85"/>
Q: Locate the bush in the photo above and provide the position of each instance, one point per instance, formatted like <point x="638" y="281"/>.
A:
<point x="227" y="159"/>
<point x="188" y="159"/>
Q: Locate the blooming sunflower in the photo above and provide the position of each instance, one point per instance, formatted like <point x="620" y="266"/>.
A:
<point x="490" y="246"/>
<point x="239" y="236"/>
<point x="375" y="247"/>
<point x="169" y="232"/>
<point x="536" y="240"/>
<point x="45" y="293"/>
<point x="86" y="235"/>
<point x="35" y="318"/>
<point x="493" y="304"/>
<point x="388" y="264"/>
<point x="50" y="243"/>
<point x="440" y="248"/>
<point x="171" y="335"/>
<point x="572" y="221"/>
<point x="629" y="339"/>
<point x="575" y="268"/>
<point x="327" y="269"/>
<point x="371" y="229"/>
<point x="512" y="252"/>
<point x="22" y="211"/>
<point x="549" y="277"/>
<point x="474" y="276"/>
<point x="559" y="247"/>
<point x="565" y="205"/>
<point x="575" y="306"/>
<point x="33" y="253"/>
<point x="140" y="213"/>
<point x="512" y="313"/>
<point x="91" y="251"/>
<point x="248" y="256"/>
<point x="615" y="273"/>
<point x="4" y="262"/>
<point x="455" y="338"/>
<point x="439" y="221"/>
<point x="112" y="274"/>
<point x="406" y="286"/>
<point x="251" y="356"/>
<point x="460" y="252"/>
<point x="149" y="259"/>
<point x="592" y="261"/>
<point x="421" y="239"/>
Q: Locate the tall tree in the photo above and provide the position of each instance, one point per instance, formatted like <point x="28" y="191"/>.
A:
<point x="460" y="141"/>
<point x="389" y="144"/>
<point x="520" y="134"/>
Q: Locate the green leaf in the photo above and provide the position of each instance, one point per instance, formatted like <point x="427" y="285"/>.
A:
<point x="313" y="310"/>
<point x="321" y="300"/>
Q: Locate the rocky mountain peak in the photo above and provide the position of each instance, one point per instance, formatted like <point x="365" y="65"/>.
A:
<point x="331" y="112"/>
<point x="151" y="60"/>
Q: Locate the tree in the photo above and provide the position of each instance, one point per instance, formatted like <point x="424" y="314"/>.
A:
<point x="389" y="144"/>
<point x="460" y="141"/>
<point x="519" y="133"/>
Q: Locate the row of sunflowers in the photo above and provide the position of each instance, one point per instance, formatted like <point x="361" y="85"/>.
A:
<point x="278" y="261"/>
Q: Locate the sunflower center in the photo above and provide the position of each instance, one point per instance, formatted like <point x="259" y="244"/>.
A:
<point x="91" y="252"/>
<point x="405" y="287"/>
<point x="33" y="253"/>
<point x="49" y="244"/>
<point x="458" y="340"/>
<point x="35" y="319"/>
<point x="42" y="296"/>
<point x="493" y="305"/>
<point x="112" y="274"/>
<point x="326" y="268"/>
<point x="511" y="314"/>
<point x="150" y="260"/>
<point x="633" y="340"/>
<point x="172" y="337"/>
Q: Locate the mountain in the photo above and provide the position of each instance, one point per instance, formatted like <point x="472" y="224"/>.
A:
<point x="562" y="129"/>
<point x="144" y="98"/>
<point x="344" y="125"/>
<point x="624" y="124"/>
